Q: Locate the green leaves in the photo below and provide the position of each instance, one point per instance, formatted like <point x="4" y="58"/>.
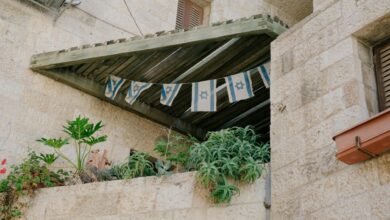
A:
<point x="82" y="132"/>
<point x="208" y="174"/>
<point x="24" y="178"/>
<point x="251" y="171"/>
<point x="49" y="159"/>
<point x="233" y="153"/>
<point x="80" y="128"/>
<point x="138" y="165"/>
<point x="56" y="143"/>
<point x="224" y="191"/>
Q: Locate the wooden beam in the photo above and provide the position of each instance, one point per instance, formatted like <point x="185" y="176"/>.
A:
<point x="245" y="114"/>
<point x="206" y="60"/>
<point x="95" y="89"/>
<point x="244" y="27"/>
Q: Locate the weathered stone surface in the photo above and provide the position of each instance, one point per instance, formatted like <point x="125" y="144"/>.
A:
<point x="235" y="212"/>
<point x="152" y="198"/>
<point x="333" y="77"/>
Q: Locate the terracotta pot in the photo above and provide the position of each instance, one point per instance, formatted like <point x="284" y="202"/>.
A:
<point x="365" y="140"/>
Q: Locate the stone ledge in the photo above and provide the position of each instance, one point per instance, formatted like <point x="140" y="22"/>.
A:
<point x="169" y="197"/>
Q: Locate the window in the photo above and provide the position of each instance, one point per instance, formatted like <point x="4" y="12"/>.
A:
<point x="189" y="14"/>
<point x="382" y="69"/>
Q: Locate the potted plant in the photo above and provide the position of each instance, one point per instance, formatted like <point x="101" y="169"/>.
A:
<point x="365" y="140"/>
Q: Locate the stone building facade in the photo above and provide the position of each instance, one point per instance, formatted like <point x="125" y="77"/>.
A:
<point x="32" y="106"/>
<point x="323" y="76"/>
<point x="322" y="82"/>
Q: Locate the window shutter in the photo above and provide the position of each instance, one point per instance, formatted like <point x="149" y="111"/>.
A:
<point x="382" y="67"/>
<point x="189" y="15"/>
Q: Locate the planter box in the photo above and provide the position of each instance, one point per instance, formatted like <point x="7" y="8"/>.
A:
<point x="365" y="140"/>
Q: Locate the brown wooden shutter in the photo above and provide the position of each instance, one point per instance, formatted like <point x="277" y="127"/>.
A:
<point x="382" y="69"/>
<point x="189" y="15"/>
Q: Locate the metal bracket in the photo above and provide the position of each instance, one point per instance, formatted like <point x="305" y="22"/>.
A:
<point x="364" y="151"/>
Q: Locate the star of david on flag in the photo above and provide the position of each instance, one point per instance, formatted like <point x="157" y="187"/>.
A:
<point x="169" y="93"/>
<point x="135" y="90"/>
<point x="239" y="87"/>
<point x="113" y="85"/>
<point x="264" y="71"/>
<point x="204" y="97"/>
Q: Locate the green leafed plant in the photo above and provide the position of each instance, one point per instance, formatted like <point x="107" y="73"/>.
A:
<point x="138" y="165"/>
<point x="224" y="191"/>
<point x="49" y="159"/>
<point x="24" y="179"/>
<point x="234" y="154"/>
<point x="175" y="148"/>
<point x="82" y="133"/>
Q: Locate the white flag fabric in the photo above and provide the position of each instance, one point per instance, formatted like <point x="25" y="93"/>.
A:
<point x="264" y="71"/>
<point x="113" y="85"/>
<point x="239" y="87"/>
<point x="135" y="90"/>
<point x="204" y="98"/>
<point x="169" y="93"/>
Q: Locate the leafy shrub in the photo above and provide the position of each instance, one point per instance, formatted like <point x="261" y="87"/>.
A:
<point x="24" y="179"/>
<point x="175" y="148"/>
<point x="82" y="133"/>
<point x="233" y="153"/>
<point x="138" y="165"/>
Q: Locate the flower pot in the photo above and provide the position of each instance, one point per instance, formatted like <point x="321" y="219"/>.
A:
<point x="365" y="140"/>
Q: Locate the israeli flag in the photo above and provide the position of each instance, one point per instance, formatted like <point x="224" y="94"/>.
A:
<point x="169" y="93"/>
<point x="239" y="87"/>
<point x="135" y="90"/>
<point x="264" y="71"/>
<point x="204" y="97"/>
<point x="113" y="85"/>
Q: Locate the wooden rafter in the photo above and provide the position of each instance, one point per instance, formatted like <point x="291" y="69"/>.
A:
<point x="243" y="27"/>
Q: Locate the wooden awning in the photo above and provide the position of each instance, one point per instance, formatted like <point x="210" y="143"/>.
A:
<point x="198" y="54"/>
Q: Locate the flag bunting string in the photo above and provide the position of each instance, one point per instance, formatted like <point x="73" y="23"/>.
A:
<point x="204" y="93"/>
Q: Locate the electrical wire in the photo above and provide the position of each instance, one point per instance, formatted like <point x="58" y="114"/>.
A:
<point x="131" y="14"/>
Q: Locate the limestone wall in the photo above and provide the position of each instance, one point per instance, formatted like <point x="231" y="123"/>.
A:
<point x="152" y="198"/>
<point x="32" y="105"/>
<point x="323" y="82"/>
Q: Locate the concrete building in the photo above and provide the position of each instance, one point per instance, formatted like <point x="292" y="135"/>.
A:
<point x="322" y="82"/>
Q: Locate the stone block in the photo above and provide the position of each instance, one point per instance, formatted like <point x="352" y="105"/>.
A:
<point x="321" y="20"/>
<point x="189" y="214"/>
<point x="336" y="53"/>
<point x="384" y="169"/>
<point x="288" y="152"/>
<point x="358" y="179"/>
<point x="347" y="118"/>
<point x="319" y="194"/>
<point x="288" y="61"/>
<point x="353" y="208"/>
<point x="286" y="205"/>
<point x="167" y="215"/>
<point x="176" y="193"/>
<point x="379" y="201"/>
<point x="234" y="212"/>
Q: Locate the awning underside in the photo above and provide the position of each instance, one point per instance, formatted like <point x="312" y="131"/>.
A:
<point x="230" y="50"/>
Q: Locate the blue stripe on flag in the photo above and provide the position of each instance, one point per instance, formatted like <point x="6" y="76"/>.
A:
<point x="264" y="73"/>
<point x="118" y="85"/>
<point x="163" y="94"/>
<point x="173" y="94"/>
<point x="212" y="95"/>
<point x="248" y="84"/>
<point x="231" y="88"/>
<point x="195" y="92"/>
